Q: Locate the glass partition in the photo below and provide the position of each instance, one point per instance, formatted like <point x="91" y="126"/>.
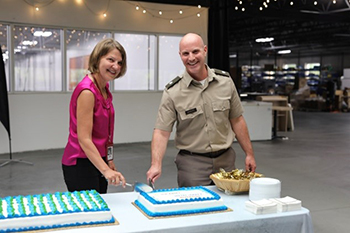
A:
<point x="140" y="51"/>
<point x="5" y="52"/>
<point x="170" y="64"/>
<point x="37" y="59"/>
<point x="80" y="44"/>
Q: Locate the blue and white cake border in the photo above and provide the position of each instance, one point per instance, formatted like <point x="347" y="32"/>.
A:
<point x="214" y="196"/>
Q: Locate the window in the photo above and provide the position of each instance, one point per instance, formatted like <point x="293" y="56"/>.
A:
<point x="140" y="53"/>
<point x="80" y="44"/>
<point x="49" y="59"/>
<point x="37" y="58"/>
<point x="5" y="52"/>
<point x="170" y="64"/>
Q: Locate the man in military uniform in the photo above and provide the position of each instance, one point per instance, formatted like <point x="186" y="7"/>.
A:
<point x="207" y="110"/>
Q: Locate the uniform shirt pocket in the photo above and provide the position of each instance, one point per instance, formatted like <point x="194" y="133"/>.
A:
<point x="220" y="106"/>
<point x="221" y="111"/>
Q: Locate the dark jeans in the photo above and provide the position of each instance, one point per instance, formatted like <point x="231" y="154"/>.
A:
<point x="84" y="176"/>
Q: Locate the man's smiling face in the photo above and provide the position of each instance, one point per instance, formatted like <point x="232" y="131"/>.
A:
<point x="193" y="53"/>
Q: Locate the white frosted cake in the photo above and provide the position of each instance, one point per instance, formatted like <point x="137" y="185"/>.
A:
<point x="46" y="211"/>
<point x="179" y="201"/>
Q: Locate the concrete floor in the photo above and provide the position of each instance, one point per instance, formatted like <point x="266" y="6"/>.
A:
<point x="313" y="166"/>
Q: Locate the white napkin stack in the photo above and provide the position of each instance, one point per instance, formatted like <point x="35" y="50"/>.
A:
<point x="263" y="206"/>
<point x="273" y="205"/>
<point x="287" y="204"/>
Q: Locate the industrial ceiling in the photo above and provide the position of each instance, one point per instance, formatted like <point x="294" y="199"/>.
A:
<point x="307" y="27"/>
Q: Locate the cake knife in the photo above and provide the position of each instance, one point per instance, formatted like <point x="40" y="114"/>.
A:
<point x="140" y="187"/>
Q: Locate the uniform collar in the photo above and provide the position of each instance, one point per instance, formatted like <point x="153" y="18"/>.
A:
<point x="188" y="79"/>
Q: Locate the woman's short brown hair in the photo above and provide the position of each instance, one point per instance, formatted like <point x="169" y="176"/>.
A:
<point x="101" y="49"/>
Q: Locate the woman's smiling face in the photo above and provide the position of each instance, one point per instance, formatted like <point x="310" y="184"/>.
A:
<point x="110" y="65"/>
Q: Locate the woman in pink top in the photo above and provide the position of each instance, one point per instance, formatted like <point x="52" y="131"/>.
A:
<point x="87" y="161"/>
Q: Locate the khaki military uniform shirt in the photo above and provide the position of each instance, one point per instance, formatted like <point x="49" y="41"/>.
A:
<point x="202" y="112"/>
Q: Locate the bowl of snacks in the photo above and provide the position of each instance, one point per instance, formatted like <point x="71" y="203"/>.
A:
<point x="235" y="181"/>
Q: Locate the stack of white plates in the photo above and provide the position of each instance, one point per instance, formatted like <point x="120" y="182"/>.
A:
<point x="264" y="188"/>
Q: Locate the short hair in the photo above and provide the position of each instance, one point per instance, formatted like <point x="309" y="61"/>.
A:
<point x="101" y="49"/>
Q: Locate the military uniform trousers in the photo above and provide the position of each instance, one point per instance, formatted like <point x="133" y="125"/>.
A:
<point x="194" y="169"/>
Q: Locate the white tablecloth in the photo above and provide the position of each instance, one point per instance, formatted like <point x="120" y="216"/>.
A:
<point x="239" y="220"/>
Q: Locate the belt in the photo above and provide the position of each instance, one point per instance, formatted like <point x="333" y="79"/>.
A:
<point x="208" y="154"/>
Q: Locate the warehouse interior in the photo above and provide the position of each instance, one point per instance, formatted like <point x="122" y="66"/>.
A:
<point x="313" y="79"/>
<point x="306" y="48"/>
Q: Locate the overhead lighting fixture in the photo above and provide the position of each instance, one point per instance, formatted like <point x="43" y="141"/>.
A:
<point x="264" y="40"/>
<point x="233" y="55"/>
<point x="284" y="51"/>
<point x="43" y="34"/>
<point x="30" y="43"/>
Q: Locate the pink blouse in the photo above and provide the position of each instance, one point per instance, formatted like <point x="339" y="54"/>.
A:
<point x="103" y="123"/>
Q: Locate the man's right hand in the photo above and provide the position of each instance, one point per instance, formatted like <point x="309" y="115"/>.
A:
<point x="154" y="173"/>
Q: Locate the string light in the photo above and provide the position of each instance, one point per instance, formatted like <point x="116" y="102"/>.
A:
<point x="161" y="13"/>
<point x="248" y="5"/>
<point x="138" y="7"/>
<point x="37" y="7"/>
